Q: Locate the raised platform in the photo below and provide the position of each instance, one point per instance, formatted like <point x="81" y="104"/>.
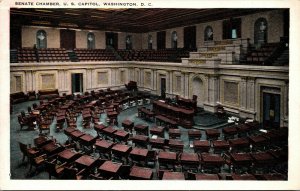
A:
<point x="207" y="120"/>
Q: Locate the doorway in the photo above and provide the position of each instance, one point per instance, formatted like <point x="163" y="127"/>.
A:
<point x="67" y="39"/>
<point x="271" y="110"/>
<point x="77" y="82"/>
<point x="161" y="40"/>
<point x="111" y="40"/>
<point x="190" y="38"/>
<point x="163" y="88"/>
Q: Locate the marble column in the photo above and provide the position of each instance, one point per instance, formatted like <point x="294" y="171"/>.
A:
<point x="28" y="80"/>
<point x="206" y="88"/>
<point x="243" y="93"/>
<point x="213" y="89"/>
<point x="250" y="93"/>
<point x="171" y="82"/>
<point x="186" y="84"/>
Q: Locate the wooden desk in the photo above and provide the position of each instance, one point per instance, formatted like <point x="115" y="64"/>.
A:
<point x="76" y="134"/>
<point x="138" y="154"/>
<point x="166" y="157"/>
<point x="68" y="155"/>
<point x="141" y="129"/>
<point x="243" y="177"/>
<point x="174" y="133"/>
<point x="239" y="143"/>
<point x="140" y="140"/>
<point x="87" y="140"/>
<point x="99" y="128"/>
<point x="263" y="159"/>
<point x="109" y="131"/>
<point x="220" y="145"/>
<point x="212" y="134"/>
<point x="230" y="131"/>
<point x="258" y="140"/>
<point x="85" y="161"/>
<point x="207" y="177"/>
<point x="241" y="159"/>
<point x="194" y="134"/>
<point x="167" y="121"/>
<point x="121" y="150"/>
<point x="109" y="168"/>
<point x="103" y="145"/>
<point x="189" y="158"/>
<point x="157" y="143"/>
<point x="69" y="130"/>
<point x="139" y="173"/>
<point x="128" y="125"/>
<point x="121" y="135"/>
<point x="145" y="113"/>
<point x="173" y="176"/>
<point x="157" y="130"/>
<point x="176" y="144"/>
<point x="201" y="145"/>
<point x="52" y="148"/>
<point x="41" y="141"/>
<point x="212" y="159"/>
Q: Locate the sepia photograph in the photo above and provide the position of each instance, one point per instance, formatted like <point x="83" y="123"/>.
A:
<point x="127" y="91"/>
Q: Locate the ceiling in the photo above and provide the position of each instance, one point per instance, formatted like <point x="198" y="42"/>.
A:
<point x="125" y="20"/>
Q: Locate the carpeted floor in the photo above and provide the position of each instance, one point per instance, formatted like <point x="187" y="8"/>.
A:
<point x="20" y="170"/>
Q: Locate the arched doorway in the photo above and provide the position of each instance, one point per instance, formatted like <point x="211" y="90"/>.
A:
<point x="260" y="31"/>
<point x="198" y="90"/>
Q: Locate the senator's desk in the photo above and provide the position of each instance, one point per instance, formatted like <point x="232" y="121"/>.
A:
<point x="258" y="141"/>
<point x="239" y="143"/>
<point x="98" y="128"/>
<point x="173" y="176"/>
<point x="157" y="130"/>
<point x="138" y="154"/>
<point x="241" y="160"/>
<point x="176" y="144"/>
<point x="212" y="161"/>
<point x="174" y="133"/>
<point x="141" y="129"/>
<point x="128" y="125"/>
<point x="189" y="160"/>
<point x="201" y="145"/>
<point x="220" y="146"/>
<point x="140" y="140"/>
<point x="184" y="117"/>
<point x="121" y="150"/>
<point x="69" y="130"/>
<point x="68" y="155"/>
<point x="110" y="169"/>
<point x="243" y="177"/>
<point x="52" y="148"/>
<point x="157" y="143"/>
<point x="87" y="140"/>
<point x="194" y="134"/>
<point x="207" y="177"/>
<point x="76" y="134"/>
<point x="140" y="173"/>
<point x="109" y="131"/>
<point x="121" y="135"/>
<point x="212" y="134"/>
<point x="85" y="161"/>
<point x="230" y="132"/>
<point x="263" y="160"/>
<point x="41" y="141"/>
<point x="103" y="146"/>
<point x="167" y="157"/>
<point x="145" y="113"/>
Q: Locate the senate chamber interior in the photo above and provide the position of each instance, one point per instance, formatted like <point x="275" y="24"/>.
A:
<point x="149" y="94"/>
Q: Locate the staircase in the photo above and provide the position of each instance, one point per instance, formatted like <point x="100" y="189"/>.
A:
<point x="116" y="54"/>
<point x="72" y="56"/>
<point x="283" y="59"/>
<point x="13" y="56"/>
